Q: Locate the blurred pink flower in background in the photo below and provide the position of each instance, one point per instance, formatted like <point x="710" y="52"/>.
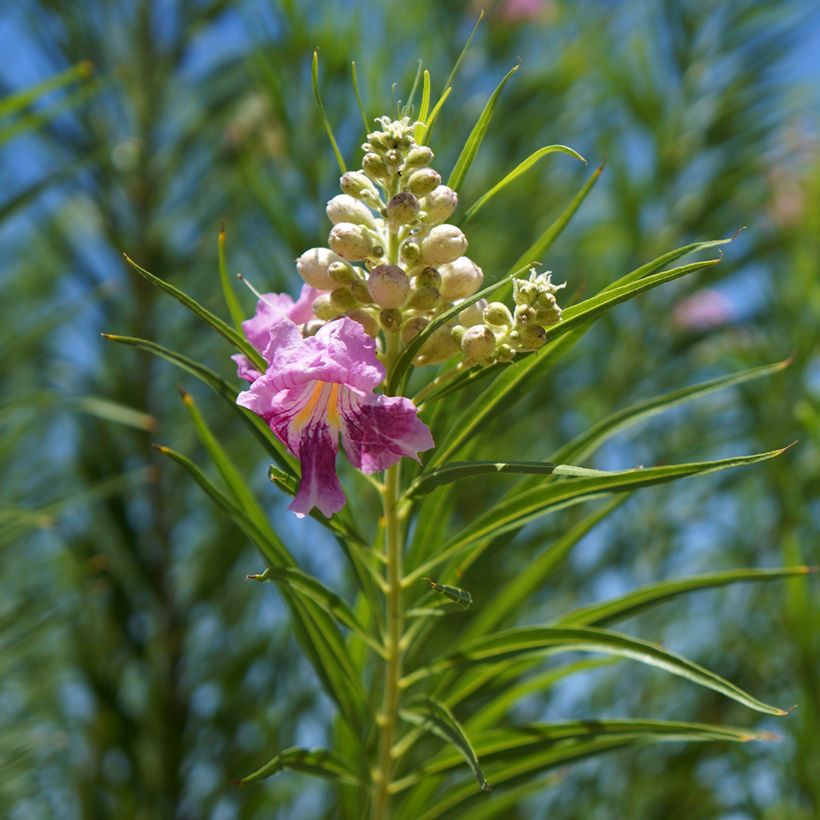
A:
<point x="703" y="310"/>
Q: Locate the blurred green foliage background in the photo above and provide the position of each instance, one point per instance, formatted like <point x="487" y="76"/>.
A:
<point x="139" y="673"/>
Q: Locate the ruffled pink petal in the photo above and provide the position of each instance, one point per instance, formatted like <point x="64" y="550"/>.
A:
<point x="245" y="368"/>
<point x="379" y="430"/>
<point x="302" y="310"/>
<point x="319" y="487"/>
<point x="269" y="308"/>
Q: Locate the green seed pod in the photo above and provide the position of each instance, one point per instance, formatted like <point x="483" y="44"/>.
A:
<point x="423" y="182"/>
<point x="341" y="273"/>
<point x="323" y="308"/>
<point x="366" y="319"/>
<point x="428" y="277"/>
<point x="343" y="299"/>
<point x="350" y="241"/>
<point x="345" y="208"/>
<point x="388" y="286"/>
<point x="478" y="344"/>
<point x="313" y="265"/>
<point x="460" y="278"/>
<point x="412" y="327"/>
<point x="423" y="299"/>
<point x="498" y="314"/>
<point x="531" y="337"/>
<point x="439" y="204"/>
<point x="402" y="208"/>
<point x="444" y="243"/>
<point x="390" y="318"/>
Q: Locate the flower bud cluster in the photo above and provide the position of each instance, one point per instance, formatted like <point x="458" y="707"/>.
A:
<point x="393" y="262"/>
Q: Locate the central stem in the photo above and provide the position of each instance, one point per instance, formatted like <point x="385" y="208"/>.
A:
<point x="388" y="716"/>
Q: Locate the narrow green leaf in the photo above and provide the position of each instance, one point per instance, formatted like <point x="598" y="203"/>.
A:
<point x="407" y="108"/>
<point x="470" y="149"/>
<point x="112" y="411"/>
<point x="519" y="509"/>
<point x="323" y="113"/>
<point x="430" y="121"/>
<point x="518" y="171"/>
<point x="511" y="643"/>
<point x="360" y="103"/>
<point x="435" y="717"/>
<point x="607" y="612"/>
<point x="317" y="762"/>
<point x="234" y="308"/>
<point x="424" y="108"/>
<point x="464" y="50"/>
<point x="12" y="103"/>
<point x="224" y="330"/>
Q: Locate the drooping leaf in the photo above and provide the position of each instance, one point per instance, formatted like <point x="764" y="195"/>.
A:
<point x="316" y="762"/>
<point x="234" y="308"/>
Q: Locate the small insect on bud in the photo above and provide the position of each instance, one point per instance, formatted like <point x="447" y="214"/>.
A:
<point x="410" y="252"/>
<point x="428" y="278"/>
<point x="388" y="286"/>
<point x="390" y="318"/>
<point x="439" y="346"/>
<point x="350" y="241"/>
<point x="531" y="337"/>
<point x="423" y="299"/>
<point x="324" y="308"/>
<point x="343" y="299"/>
<point x="423" y="182"/>
<point x="478" y="344"/>
<point x="357" y="184"/>
<point x="313" y="265"/>
<point x="366" y="319"/>
<point x="373" y="165"/>
<point x="402" y="208"/>
<point x="443" y="244"/>
<point x="473" y="314"/>
<point x="344" y="208"/>
<point x="498" y="315"/>
<point x="412" y="327"/>
<point x="341" y="273"/>
<point x="460" y="278"/>
<point x="418" y="157"/>
<point x="439" y="204"/>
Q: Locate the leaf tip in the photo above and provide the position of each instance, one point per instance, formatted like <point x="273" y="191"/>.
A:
<point x="736" y="234"/>
<point x="787" y="448"/>
<point x="161" y="448"/>
<point x="185" y="396"/>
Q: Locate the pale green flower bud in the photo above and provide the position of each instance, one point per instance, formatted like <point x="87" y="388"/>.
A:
<point x="390" y="318"/>
<point x="341" y="273"/>
<point x="478" y="344"/>
<point x="524" y="315"/>
<point x="388" y="286"/>
<point x="423" y="299"/>
<point x="504" y="353"/>
<point x="343" y="299"/>
<point x="444" y="243"/>
<point x="312" y="327"/>
<point x="324" y="308"/>
<point x="428" y="278"/>
<point x="350" y="241"/>
<point x="524" y="292"/>
<point x="423" y="182"/>
<point x="457" y="333"/>
<point x="473" y="314"/>
<point x="410" y="252"/>
<point x="360" y="291"/>
<point x="374" y="166"/>
<point x="402" y="208"/>
<point x="531" y="337"/>
<point x="418" y="157"/>
<point x="439" y="204"/>
<point x="357" y="184"/>
<point x="366" y="319"/>
<point x="498" y="314"/>
<point x="460" y="278"/>
<point x="313" y="264"/>
<point x="392" y="159"/>
<point x="344" y="208"/>
<point x="439" y="346"/>
<point x="548" y="315"/>
<point x="412" y="327"/>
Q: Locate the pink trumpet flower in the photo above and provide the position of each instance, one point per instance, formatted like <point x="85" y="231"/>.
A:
<point x="269" y="308"/>
<point x="320" y="387"/>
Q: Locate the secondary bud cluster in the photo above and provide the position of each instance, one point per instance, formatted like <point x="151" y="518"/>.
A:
<point x="393" y="262"/>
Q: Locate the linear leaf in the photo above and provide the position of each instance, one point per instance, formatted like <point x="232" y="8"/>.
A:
<point x="435" y="717"/>
<point x="519" y="169"/>
<point x="628" y="605"/>
<point x="318" y="762"/>
<point x="512" y="643"/>
<point x="470" y="149"/>
<point x="322" y="113"/>
<point x="519" y="509"/>
<point x="424" y="108"/>
<point x="428" y="125"/>
<point x="355" y="75"/>
<point x="11" y="103"/>
<point x="224" y="330"/>
<point x="463" y="53"/>
<point x="228" y="292"/>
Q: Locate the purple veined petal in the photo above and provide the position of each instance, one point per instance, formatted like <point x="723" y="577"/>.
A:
<point x="378" y="430"/>
<point x="320" y="486"/>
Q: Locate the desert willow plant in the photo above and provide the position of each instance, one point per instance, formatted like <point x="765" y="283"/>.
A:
<point x="392" y="295"/>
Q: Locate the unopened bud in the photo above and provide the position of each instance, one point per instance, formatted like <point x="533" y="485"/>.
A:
<point x="402" y="208"/>
<point x="350" y="241"/>
<point x="312" y="327"/>
<point x="360" y="291"/>
<point x="531" y="337"/>
<point x="388" y="286"/>
<point x="498" y="314"/>
<point x="392" y="159"/>
<point x="424" y="181"/>
<point x="410" y="252"/>
<point x="373" y="165"/>
<point x="548" y="315"/>
<point x="323" y="307"/>
<point x="478" y="344"/>
<point x="412" y="327"/>
<point x="504" y="353"/>
<point x="357" y="184"/>
<point x="443" y="244"/>
<point x="366" y="319"/>
<point x="473" y="314"/>
<point x="344" y="208"/>
<point x="423" y="299"/>
<point x="524" y="292"/>
<point x="460" y="278"/>
<point x="428" y="277"/>
<point x="524" y="316"/>
<point x="439" y="346"/>
<point x="341" y="273"/>
<point x="457" y="333"/>
<point x="418" y="157"/>
<point x="313" y="264"/>
<point x="343" y="299"/>
<point x="390" y="318"/>
<point x="439" y="204"/>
